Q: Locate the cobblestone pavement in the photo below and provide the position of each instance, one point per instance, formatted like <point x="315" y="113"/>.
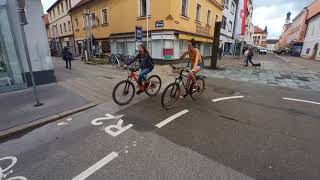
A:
<point x="278" y="71"/>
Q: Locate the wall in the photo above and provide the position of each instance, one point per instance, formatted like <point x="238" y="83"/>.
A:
<point x="312" y="38"/>
<point x="230" y="16"/>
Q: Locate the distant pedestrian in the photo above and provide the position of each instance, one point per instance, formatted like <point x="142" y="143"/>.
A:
<point x="67" y="56"/>
<point x="248" y="57"/>
<point x="220" y="52"/>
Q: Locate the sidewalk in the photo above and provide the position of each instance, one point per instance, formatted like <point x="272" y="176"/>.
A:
<point x="17" y="108"/>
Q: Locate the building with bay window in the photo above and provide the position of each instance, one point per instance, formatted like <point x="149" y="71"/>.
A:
<point x="14" y="71"/>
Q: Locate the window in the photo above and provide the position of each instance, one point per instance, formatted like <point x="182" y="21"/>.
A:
<point x="308" y="51"/>
<point x="61" y="28"/>
<point x="85" y="24"/>
<point x="232" y="8"/>
<point x="104" y="14"/>
<point x="258" y="37"/>
<point x="69" y="26"/>
<point x="50" y="14"/>
<point x="230" y="26"/>
<point x="198" y="12"/>
<point x="54" y="13"/>
<point x="209" y="17"/>
<point x="62" y="9"/>
<point x="77" y="23"/>
<point x="226" y="3"/>
<point x="93" y="19"/>
<point x="67" y="5"/>
<point x="143" y="8"/>
<point x="65" y="27"/>
<point x="223" y="23"/>
<point x="58" y="10"/>
<point x="184" y="8"/>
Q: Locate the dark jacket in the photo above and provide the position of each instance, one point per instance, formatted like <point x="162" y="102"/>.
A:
<point x="145" y="61"/>
<point x="66" y="54"/>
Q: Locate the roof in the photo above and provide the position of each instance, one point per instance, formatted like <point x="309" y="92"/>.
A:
<point x="313" y="9"/>
<point x="81" y="3"/>
<point x="272" y="41"/>
<point x="46" y="19"/>
<point x="258" y="30"/>
<point x="53" y="5"/>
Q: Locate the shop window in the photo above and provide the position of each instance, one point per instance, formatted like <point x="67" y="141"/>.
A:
<point x="104" y="14"/>
<point x="226" y="3"/>
<point x="232" y="8"/>
<point x="230" y="26"/>
<point x="143" y="8"/>
<point x="209" y="17"/>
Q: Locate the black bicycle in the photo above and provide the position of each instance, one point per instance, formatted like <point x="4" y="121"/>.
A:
<point x="172" y="92"/>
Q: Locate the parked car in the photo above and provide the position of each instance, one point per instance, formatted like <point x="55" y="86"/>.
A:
<point x="263" y="51"/>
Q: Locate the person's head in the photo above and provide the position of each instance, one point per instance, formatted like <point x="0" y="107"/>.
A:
<point x="191" y="44"/>
<point x="142" y="49"/>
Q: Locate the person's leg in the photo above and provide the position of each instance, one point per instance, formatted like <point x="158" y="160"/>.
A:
<point x="250" y="60"/>
<point x="192" y="75"/>
<point x="66" y="63"/>
<point x="142" y="75"/>
<point x="246" y="61"/>
<point x="69" y="63"/>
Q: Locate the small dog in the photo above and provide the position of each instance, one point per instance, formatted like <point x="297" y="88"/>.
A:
<point x="257" y="65"/>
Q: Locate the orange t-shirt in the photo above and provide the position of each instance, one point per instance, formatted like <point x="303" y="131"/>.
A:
<point x="193" y="54"/>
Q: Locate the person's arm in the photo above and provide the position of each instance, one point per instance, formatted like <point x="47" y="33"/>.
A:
<point x="133" y="60"/>
<point x="183" y="55"/>
<point x="196" y="61"/>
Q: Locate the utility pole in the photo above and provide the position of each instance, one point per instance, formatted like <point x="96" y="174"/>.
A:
<point x="87" y="24"/>
<point x="148" y="10"/>
<point x="23" y="21"/>
<point x="215" y="45"/>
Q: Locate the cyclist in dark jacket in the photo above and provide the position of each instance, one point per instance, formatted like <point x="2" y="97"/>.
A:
<point x="145" y="64"/>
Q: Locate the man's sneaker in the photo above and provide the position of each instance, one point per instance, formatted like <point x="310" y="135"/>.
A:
<point x="139" y="92"/>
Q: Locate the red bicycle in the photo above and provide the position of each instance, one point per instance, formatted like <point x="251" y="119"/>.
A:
<point x="125" y="90"/>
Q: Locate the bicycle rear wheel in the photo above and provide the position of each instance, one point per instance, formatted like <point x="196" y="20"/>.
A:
<point x="195" y="95"/>
<point x="123" y="92"/>
<point x="170" y="96"/>
<point x="155" y="85"/>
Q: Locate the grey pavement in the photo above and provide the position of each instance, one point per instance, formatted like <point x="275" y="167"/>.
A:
<point x="261" y="136"/>
<point x="17" y="107"/>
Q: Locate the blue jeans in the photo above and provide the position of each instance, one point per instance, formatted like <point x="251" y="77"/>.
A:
<point x="143" y="75"/>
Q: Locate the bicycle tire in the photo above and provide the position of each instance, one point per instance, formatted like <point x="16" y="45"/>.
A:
<point x="127" y="83"/>
<point x="199" y="90"/>
<point x="155" y="84"/>
<point x="176" y="95"/>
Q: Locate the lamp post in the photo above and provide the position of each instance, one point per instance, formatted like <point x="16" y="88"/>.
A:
<point x="23" y="21"/>
<point x="148" y="10"/>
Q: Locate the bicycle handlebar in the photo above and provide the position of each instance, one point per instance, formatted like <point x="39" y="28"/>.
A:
<point x="180" y="68"/>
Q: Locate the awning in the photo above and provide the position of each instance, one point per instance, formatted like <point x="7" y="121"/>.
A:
<point x="189" y="37"/>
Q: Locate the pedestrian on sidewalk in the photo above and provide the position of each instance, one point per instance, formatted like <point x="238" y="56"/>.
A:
<point x="67" y="56"/>
<point x="220" y="52"/>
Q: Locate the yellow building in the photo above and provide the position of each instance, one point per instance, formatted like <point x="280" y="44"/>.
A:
<point x="171" y="24"/>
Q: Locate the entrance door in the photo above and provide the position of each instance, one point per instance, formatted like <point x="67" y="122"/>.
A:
<point x="315" y="51"/>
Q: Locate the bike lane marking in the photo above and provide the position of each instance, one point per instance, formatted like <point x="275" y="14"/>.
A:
<point x="300" y="100"/>
<point x="227" y="98"/>
<point x="171" y="118"/>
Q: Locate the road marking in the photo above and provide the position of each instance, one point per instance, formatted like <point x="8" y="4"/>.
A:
<point x="85" y="174"/>
<point x="62" y="123"/>
<point x="227" y="98"/>
<point x="300" y="100"/>
<point x="168" y="120"/>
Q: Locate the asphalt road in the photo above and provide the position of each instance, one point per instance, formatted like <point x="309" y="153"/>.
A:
<point x="259" y="136"/>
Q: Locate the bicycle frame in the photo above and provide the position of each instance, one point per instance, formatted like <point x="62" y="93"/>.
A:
<point x="134" y="76"/>
<point x="179" y="80"/>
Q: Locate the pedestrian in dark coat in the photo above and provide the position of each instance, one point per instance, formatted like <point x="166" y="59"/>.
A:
<point x="67" y="56"/>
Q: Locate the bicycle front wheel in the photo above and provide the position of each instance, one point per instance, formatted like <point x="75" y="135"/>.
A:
<point x="123" y="92"/>
<point x="154" y="86"/>
<point x="170" y="96"/>
<point x="198" y="91"/>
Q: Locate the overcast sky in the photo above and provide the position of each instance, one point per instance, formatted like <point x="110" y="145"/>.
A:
<point x="271" y="13"/>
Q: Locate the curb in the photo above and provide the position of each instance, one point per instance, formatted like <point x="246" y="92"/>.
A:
<point x="43" y="121"/>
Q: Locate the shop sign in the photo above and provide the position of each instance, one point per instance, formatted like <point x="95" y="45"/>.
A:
<point x="167" y="53"/>
<point x="159" y="24"/>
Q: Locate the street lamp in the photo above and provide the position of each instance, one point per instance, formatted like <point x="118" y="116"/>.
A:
<point x="23" y="21"/>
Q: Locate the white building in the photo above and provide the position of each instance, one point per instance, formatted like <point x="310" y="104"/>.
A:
<point x="311" y="46"/>
<point x="227" y="25"/>
<point x="14" y="71"/>
<point x="272" y="44"/>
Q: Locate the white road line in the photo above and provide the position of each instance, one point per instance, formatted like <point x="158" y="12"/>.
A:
<point x="169" y="119"/>
<point x="96" y="166"/>
<point x="227" y="98"/>
<point x="300" y="100"/>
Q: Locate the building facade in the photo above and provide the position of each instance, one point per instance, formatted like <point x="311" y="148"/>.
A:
<point x="272" y="44"/>
<point x="171" y="23"/>
<point x="60" y="26"/>
<point x="260" y="37"/>
<point x="227" y="26"/>
<point x="14" y="70"/>
<point x="244" y="28"/>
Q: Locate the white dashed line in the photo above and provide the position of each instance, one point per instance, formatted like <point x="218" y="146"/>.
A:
<point x="168" y="120"/>
<point x="300" y="100"/>
<point x="85" y="174"/>
<point x="227" y="98"/>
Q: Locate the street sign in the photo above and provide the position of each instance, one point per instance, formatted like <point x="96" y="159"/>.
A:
<point x="159" y="24"/>
<point x="138" y="34"/>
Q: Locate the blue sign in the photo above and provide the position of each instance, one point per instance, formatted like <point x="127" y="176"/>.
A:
<point x="138" y="34"/>
<point x="159" y="24"/>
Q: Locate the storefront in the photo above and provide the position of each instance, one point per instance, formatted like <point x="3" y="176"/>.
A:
<point x="11" y="71"/>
